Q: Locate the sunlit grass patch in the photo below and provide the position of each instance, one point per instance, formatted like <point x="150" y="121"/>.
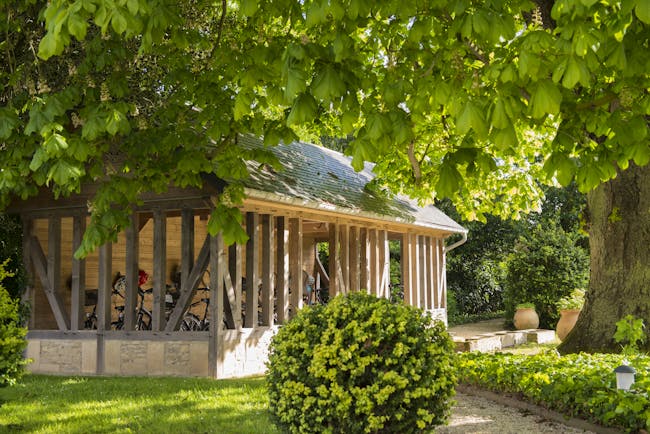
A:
<point x="47" y="404"/>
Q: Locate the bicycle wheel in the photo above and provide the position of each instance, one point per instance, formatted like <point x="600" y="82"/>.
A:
<point x="190" y="323"/>
<point x="143" y="322"/>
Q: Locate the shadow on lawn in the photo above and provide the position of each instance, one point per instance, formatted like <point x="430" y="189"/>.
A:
<point x="156" y="405"/>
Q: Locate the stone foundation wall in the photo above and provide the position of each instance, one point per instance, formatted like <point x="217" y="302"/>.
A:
<point x="245" y="352"/>
<point x="240" y="353"/>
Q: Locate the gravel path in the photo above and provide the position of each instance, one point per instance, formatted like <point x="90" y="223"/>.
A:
<point x="478" y="415"/>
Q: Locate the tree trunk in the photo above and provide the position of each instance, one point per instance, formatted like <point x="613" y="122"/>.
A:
<point x="619" y="241"/>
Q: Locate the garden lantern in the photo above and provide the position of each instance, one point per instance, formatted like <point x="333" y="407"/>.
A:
<point x="624" y="377"/>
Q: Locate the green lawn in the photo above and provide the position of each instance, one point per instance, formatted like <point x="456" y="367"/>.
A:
<point x="47" y="404"/>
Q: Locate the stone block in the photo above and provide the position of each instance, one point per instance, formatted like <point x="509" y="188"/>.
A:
<point x="177" y="358"/>
<point x="484" y="344"/>
<point x="199" y="359"/>
<point x="61" y="356"/>
<point x="33" y="352"/>
<point x="133" y="358"/>
<point x="112" y="350"/>
<point x="89" y="357"/>
<point x="541" y="336"/>
<point x="156" y="358"/>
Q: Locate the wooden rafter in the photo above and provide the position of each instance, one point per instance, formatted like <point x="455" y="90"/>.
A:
<point x="282" y="269"/>
<point x="159" y="269"/>
<point x="267" y="269"/>
<point x="78" y="281"/>
<point x="252" y="262"/>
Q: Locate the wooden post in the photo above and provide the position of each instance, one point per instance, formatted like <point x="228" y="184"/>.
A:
<point x="78" y="284"/>
<point x="54" y="268"/>
<point x="233" y="283"/>
<point x="27" y="298"/>
<point x="433" y="293"/>
<point x="442" y="286"/>
<point x="384" y="264"/>
<point x="282" y="270"/>
<point x="415" y="271"/>
<point x="217" y="270"/>
<point x="187" y="244"/>
<point x="375" y="276"/>
<point x="267" y="269"/>
<point x="364" y="260"/>
<point x="405" y="263"/>
<point x="295" y="264"/>
<point x="132" y="272"/>
<point x="354" y="258"/>
<point x="422" y="268"/>
<point x="104" y="286"/>
<point x="335" y="284"/>
<point x="344" y="264"/>
<point x="252" y="264"/>
<point x="159" y="269"/>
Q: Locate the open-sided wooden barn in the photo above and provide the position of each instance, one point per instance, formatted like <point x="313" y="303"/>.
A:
<point x="208" y="309"/>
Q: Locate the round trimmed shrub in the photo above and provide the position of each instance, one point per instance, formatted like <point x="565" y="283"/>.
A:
<point x="361" y="364"/>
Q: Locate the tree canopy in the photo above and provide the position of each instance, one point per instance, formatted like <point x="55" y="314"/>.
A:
<point x="471" y="100"/>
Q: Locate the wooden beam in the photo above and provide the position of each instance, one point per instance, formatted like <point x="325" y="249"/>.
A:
<point x="104" y="285"/>
<point x="373" y="258"/>
<point x="233" y="290"/>
<point x="132" y="272"/>
<point x="159" y="269"/>
<point x="422" y="271"/>
<point x="364" y="260"/>
<point x="252" y="264"/>
<point x="384" y="264"/>
<point x="442" y="275"/>
<point x="335" y="284"/>
<point x="405" y="265"/>
<point x="295" y="264"/>
<point x="431" y="265"/>
<point x="415" y="271"/>
<point x="282" y="269"/>
<point x="344" y="264"/>
<point x="54" y="262"/>
<point x="28" y="295"/>
<point x="187" y="244"/>
<point x="354" y="259"/>
<point x="185" y="297"/>
<point x="217" y="271"/>
<point x="267" y="269"/>
<point x="78" y="284"/>
<point x="53" y="297"/>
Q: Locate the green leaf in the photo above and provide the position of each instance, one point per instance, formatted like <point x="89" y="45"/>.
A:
<point x="40" y="157"/>
<point x="133" y="6"/>
<point x="77" y="26"/>
<point x="642" y="10"/>
<point x="296" y="82"/>
<point x="546" y="99"/>
<point x="506" y="138"/>
<point x="361" y="151"/>
<point x="55" y="144"/>
<point x="327" y="84"/>
<point x="449" y="179"/>
<point x="8" y="121"/>
<point x="49" y="46"/>
<point x="499" y="117"/>
<point x="242" y="105"/>
<point x="249" y="7"/>
<point x="118" y="22"/>
<point x="471" y="117"/>
<point x="304" y="109"/>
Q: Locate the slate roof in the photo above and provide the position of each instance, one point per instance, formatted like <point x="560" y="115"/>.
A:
<point x="320" y="178"/>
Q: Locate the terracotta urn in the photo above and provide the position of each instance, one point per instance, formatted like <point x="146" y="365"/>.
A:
<point x="526" y="318"/>
<point x="568" y="318"/>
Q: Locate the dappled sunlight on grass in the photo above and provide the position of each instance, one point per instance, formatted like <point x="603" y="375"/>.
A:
<point x="47" y="404"/>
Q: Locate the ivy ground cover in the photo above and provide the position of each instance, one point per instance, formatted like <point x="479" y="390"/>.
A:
<point x="581" y="385"/>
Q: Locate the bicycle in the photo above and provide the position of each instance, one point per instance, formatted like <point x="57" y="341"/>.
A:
<point x="143" y="315"/>
<point x="191" y="321"/>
